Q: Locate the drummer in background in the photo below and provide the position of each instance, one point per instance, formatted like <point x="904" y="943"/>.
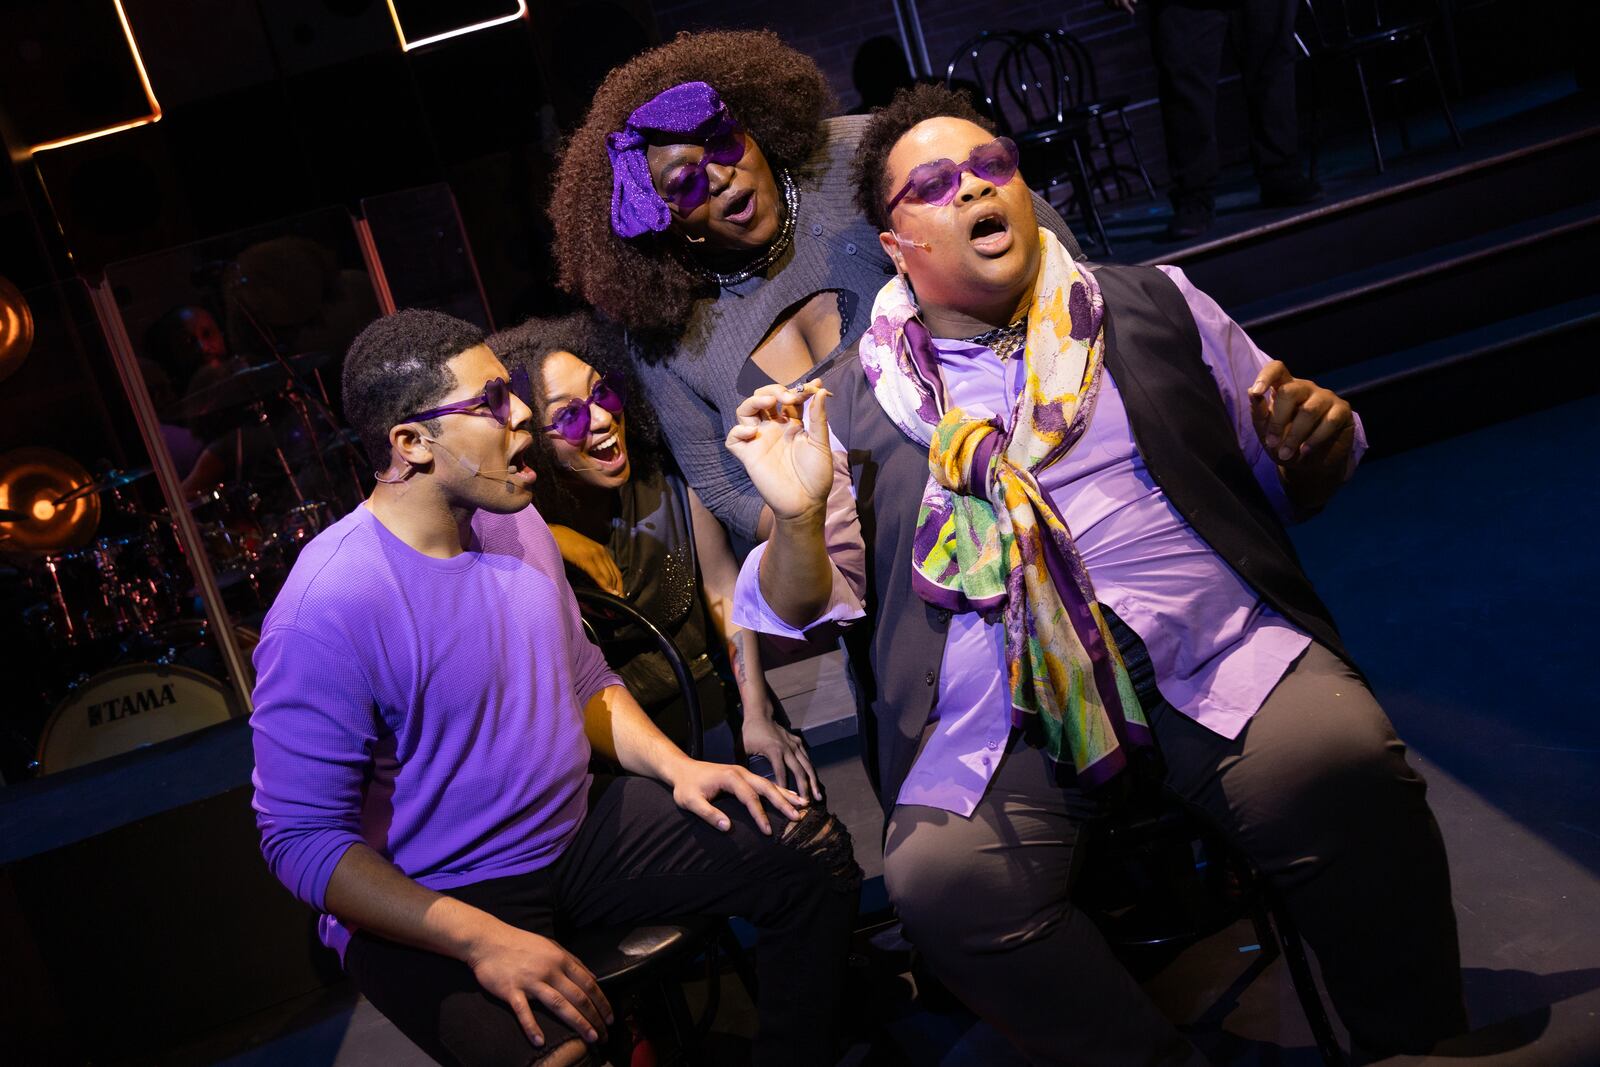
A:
<point x="237" y="447"/>
<point x="188" y="346"/>
<point x="183" y="444"/>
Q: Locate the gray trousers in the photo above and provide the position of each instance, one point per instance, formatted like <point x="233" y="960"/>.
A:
<point x="1316" y="790"/>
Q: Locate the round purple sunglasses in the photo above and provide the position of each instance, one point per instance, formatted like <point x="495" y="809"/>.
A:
<point x="936" y="182"/>
<point x="572" y="421"/>
<point x="688" y="187"/>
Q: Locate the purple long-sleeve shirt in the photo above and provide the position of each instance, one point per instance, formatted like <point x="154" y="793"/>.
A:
<point x="430" y="708"/>
<point x="1217" y="649"/>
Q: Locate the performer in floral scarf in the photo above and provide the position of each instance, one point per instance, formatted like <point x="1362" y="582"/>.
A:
<point x="1059" y="492"/>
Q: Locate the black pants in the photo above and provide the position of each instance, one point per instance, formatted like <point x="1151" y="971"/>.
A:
<point x="638" y="858"/>
<point x="1316" y="790"/>
<point x="1187" y="37"/>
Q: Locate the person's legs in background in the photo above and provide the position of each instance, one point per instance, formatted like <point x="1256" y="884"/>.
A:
<point x="1187" y="38"/>
<point x="1267" y="59"/>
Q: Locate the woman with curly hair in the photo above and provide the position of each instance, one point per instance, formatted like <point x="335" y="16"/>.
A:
<point x="601" y="485"/>
<point x="706" y="205"/>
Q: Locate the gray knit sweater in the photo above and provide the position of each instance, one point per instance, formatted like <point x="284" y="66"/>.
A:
<point x="696" y="389"/>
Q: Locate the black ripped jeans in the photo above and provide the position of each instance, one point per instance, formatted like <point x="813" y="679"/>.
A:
<point x="639" y="858"/>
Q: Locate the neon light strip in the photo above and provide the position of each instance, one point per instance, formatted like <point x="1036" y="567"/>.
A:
<point x="144" y="80"/>
<point x="407" y="46"/>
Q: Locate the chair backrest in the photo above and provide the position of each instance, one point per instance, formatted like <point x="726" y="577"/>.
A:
<point x="1332" y="22"/>
<point x="1031" y="82"/>
<point x="972" y="66"/>
<point x="1077" y="65"/>
<point x="1024" y="80"/>
<point x="602" y="608"/>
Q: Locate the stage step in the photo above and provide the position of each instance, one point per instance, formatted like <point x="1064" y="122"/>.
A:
<point x="1375" y="224"/>
<point x="1407" y="302"/>
<point x="1499" y="340"/>
<point x="1438" y="304"/>
<point x="1475" y="378"/>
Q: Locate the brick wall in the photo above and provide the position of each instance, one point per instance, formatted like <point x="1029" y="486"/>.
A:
<point x="831" y="34"/>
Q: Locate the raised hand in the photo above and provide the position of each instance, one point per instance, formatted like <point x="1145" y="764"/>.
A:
<point x="1300" y="423"/>
<point x="791" y="467"/>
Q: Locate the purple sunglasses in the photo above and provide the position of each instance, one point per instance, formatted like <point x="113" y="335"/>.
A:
<point x="496" y="397"/>
<point x="936" y="182"/>
<point x="688" y="186"/>
<point x="572" y="421"/>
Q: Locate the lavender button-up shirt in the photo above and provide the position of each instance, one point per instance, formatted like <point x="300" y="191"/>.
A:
<point x="1216" y="648"/>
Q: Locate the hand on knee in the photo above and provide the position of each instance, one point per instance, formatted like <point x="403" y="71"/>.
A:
<point x="573" y="1053"/>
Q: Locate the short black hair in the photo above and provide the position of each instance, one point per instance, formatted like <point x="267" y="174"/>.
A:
<point x="885" y="128"/>
<point x="396" y="366"/>
<point x="603" y="345"/>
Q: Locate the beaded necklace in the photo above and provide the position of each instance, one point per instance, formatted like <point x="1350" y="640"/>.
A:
<point x="779" y="245"/>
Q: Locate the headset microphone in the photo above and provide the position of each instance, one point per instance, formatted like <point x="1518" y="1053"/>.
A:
<point x="474" y="469"/>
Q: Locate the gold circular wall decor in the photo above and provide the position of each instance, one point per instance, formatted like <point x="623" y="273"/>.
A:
<point x="16" y="328"/>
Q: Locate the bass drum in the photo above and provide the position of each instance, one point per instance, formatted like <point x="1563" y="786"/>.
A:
<point x="173" y="686"/>
<point x="129" y="707"/>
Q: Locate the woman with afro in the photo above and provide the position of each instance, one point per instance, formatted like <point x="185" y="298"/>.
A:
<point x="706" y="205"/>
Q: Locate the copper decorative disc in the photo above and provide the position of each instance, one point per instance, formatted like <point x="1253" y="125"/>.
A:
<point x="32" y="480"/>
<point x="16" y="328"/>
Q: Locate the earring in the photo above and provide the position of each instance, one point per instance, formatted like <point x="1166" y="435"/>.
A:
<point x="694" y="240"/>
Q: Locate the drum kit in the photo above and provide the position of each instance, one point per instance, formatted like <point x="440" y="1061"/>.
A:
<point x="108" y="595"/>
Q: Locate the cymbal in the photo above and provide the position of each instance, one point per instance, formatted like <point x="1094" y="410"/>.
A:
<point x="16" y="328"/>
<point x="32" y="480"/>
<point x="113" y="480"/>
<point x="248" y="385"/>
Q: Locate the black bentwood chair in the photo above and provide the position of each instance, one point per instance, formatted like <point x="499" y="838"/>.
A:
<point x="1358" y="33"/>
<point x="1082" y="88"/>
<point x="1158" y="878"/>
<point x="648" y="962"/>
<point x="1023" y="86"/>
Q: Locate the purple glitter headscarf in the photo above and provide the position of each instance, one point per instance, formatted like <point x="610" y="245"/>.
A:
<point x="691" y="108"/>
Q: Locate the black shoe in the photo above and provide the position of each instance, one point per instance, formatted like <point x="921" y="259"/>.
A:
<point x="1290" y="191"/>
<point x="1190" y="218"/>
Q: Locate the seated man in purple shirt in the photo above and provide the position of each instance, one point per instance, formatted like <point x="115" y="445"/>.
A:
<point x="424" y="710"/>
<point x="1056" y="494"/>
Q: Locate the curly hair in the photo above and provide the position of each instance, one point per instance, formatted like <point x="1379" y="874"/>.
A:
<point x="396" y="366"/>
<point x="868" y="170"/>
<point x="773" y="91"/>
<point x="601" y="344"/>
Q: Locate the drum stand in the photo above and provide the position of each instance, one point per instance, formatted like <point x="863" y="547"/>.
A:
<point x="260" y="408"/>
<point x="302" y="400"/>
